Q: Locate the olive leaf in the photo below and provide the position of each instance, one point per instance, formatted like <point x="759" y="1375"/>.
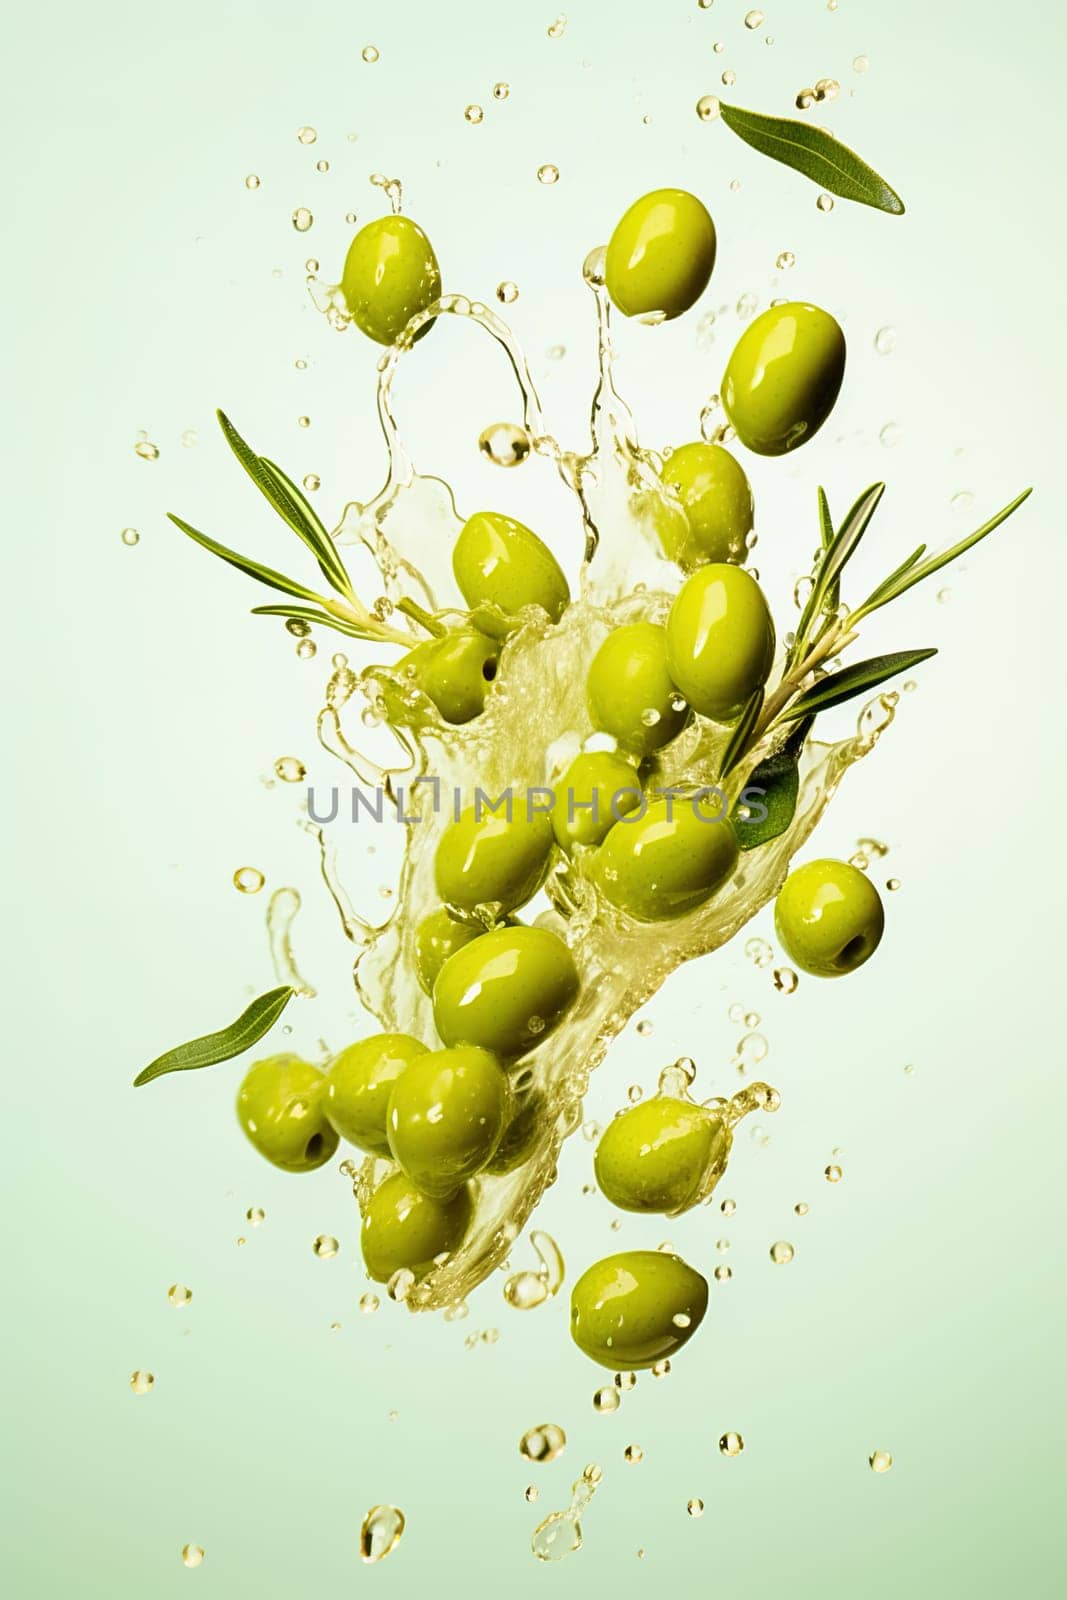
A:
<point x="773" y="786"/>
<point x="323" y="619"/>
<point x="256" y="1020"/>
<point x="254" y="569"/>
<point x="815" y="153"/>
<point x="851" y="681"/>
<point x="837" y="549"/>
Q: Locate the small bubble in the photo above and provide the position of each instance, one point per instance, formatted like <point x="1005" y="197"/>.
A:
<point x="728" y="1207"/>
<point x="759" y="952"/>
<point x="189" y="438"/>
<point x="322" y="166"/>
<point x="805" y="99"/>
<point x="729" y="78"/>
<point x="695" y="1508"/>
<point x="734" y="185"/>
<point x="312" y="481"/>
<point x="644" y="1029"/>
<point x="731" y="1444"/>
<point x="890" y="435"/>
<point x="325" y="1246"/>
<point x="505" y="444"/>
<point x="473" y="114"/>
<point x="252" y="181"/>
<point x="785" y="980"/>
<point x="548" y="173"/>
<point x="383" y="1526"/>
<point x="146" y="449"/>
<point x="754" y="19"/>
<point x="370" y="54"/>
<point x="833" y="1174"/>
<point x="142" y="1382"/>
<point x="531" y="1493"/>
<point x="400" y="1286"/>
<point x="507" y="292"/>
<point x="633" y="1454"/>
<point x="825" y="202"/>
<point x="943" y="596"/>
<point x="255" y="1215"/>
<point x="130" y="536"/>
<point x="962" y="500"/>
<point x="885" y="341"/>
<point x="501" y="91"/>
<point x="306" y="135"/>
<point x="557" y="29"/>
<point x="827" y="89"/>
<point x="660" y="1369"/>
<point x="350" y="217"/>
<point x="892" y="884"/>
<point x="723" y="1273"/>
<point x="302" y="219"/>
<point x="801" y="1208"/>
<point x="369" y="1303"/>
<point x="543" y="1443"/>
<point x="708" y="107"/>
<point x="606" y="1399"/>
<point x="192" y="1555"/>
<point x="290" y="770"/>
<point x="179" y="1295"/>
<point x="782" y="1252"/>
<point x="249" y="880"/>
<point x="306" y="649"/>
<point x="909" y="1070"/>
<point x="860" y="63"/>
<point x="786" y="260"/>
<point x="718" y="47"/>
<point x="752" y="1019"/>
<point x="880" y="1460"/>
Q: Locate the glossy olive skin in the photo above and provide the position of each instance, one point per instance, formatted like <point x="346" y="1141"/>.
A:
<point x="720" y="640"/>
<point x="630" y="693"/>
<point x="661" y="255"/>
<point x="829" y="918"/>
<point x="403" y="1228"/>
<point x="490" y="859"/>
<point x="390" y="275"/>
<point x="437" y="937"/>
<point x="281" y="1107"/>
<point x="668" y="862"/>
<point x="454" y="671"/>
<point x="520" y="1135"/>
<point x="654" y="1155"/>
<point x="501" y="566"/>
<point x="783" y="377"/>
<point x="591" y="795"/>
<point x="359" y="1083"/>
<point x="623" y="1308"/>
<point x="716" y="497"/>
<point x="506" y="991"/>
<point x="447" y="1115"/>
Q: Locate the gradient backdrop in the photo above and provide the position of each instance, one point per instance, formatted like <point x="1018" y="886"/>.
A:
<point x="923" y="1313"/>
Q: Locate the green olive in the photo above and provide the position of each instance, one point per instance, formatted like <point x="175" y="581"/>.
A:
<point x="390" y="275"/>
<point x="487" y="859"/>
<point x="447" y="1114"/>
<point x="669" y="861"/>
<point x="720" y="640"/>
<point x="630" y="692"/>
<point x="829" y="918"/>
<point x="505" y="991"/>
<point x="437" y="937"/>
<point x="359" y="1083"/>
<point x="501" y="567"/>
<point x="282" y="1108"/>
<point x="716" y="497"/>
<point x="520" y="1135"/>
<point x="454" y="671"/>
<point x="595" y="791"/>
<point x="405" y="1229"/>
<point x="656" y="1156"/>
<point x="660" y="256"/>
<point x="634" y="1309"/>
<point x="783" y="377"/>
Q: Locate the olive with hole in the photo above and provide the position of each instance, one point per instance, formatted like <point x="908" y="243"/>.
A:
<point x="390" y="275"/>
<point x="506" y="991"/>
<point x="438" y="936"/>
<point x="592" y="794"/>
<point x="662" y="1154"/>
<point x="453" y="671"/>
<point x="720" y="640"/>
<point x="660" y="255"/>
<point x="829" y="918"/>
<point x="670" y="860"/>
<point x="282" y="1108"/>
<point x="359" y="1083"/>
<point x="716" y="498"/>
<point x="404" y="1229"/>
<point x="501" y="567"/>
<point x="630" y="692"/>
<point x="636" y="1308"/>
<point x="447" y="1114"/>
<point x="496" y="859"/>
<point x="783" y="377"/>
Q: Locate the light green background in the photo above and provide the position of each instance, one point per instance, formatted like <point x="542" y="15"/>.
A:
<point x="924" y="1311"/>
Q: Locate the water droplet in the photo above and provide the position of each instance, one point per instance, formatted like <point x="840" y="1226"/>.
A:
<point x="543" y="1443"/>
<point x="827" y="89"/>
<point x="782" y="1252"/>
<point x="729" y="78"/>
<point x="142" y="1382"/>
<point x="192" y="1555"/>
<point x="880" y="1460"/>
<point x="383" y="1525"/>
<point x="322" y="166"/>
<point x="557" y="1536"/>
<point x="785" y="980"/>
<point x="302" y="219"/>
<point x="548" y="173"/>
<point x="662" y="1368"/>
<point x="885" y="341"/>
<point x="708" y="107"/>
<point x="943" y="596"/>
<point x="833" y="1174"/>
<point x="306" y="135"/>
<point x="130" y="536"/>
<point x="785" y="260"/>
<point x="179" y="1295"/>
<point x="531" y="1493"/>
<point x="325" y="1246"/>
<point x="312" y="481"/>
<point x="506" y="444"/>
<point x="805" y="99"/>
<point x="728" y="1207"/>
<point x="962" y="500"/>
<point x="606" y="1399"/>
<point x="625" y="1381"/>
<point x="501" y="91"/>
<point x="146" y="449"/>
<point x="557" y="29"/>
<point x="644" y="1030"/>
<point x="255" y="1215"/>
<point x="473" y="114"/>
<point x="249" y="880"/>
<point x="290" y="769"/>
<point x="801" y="1208"/>
<point x="890" y="435"/>
<point x="695" y="1508"/>
<point x="252" y="181"/>
<point x="731" y="1444"/>
<point x="633" y="1454"/>
<point x="306" y="649"/>
<point x="860" y="63"/>
<point x="370" y="54"/>
<point x="825" y="202"/>
<point x="507" y="292"/>
<point x="723" y="1274"/>
<point x="892" y="884"/>
<point x="400" y="1285"/>
<point x="746" y="305"/>
<point x="368" y="1303"/>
